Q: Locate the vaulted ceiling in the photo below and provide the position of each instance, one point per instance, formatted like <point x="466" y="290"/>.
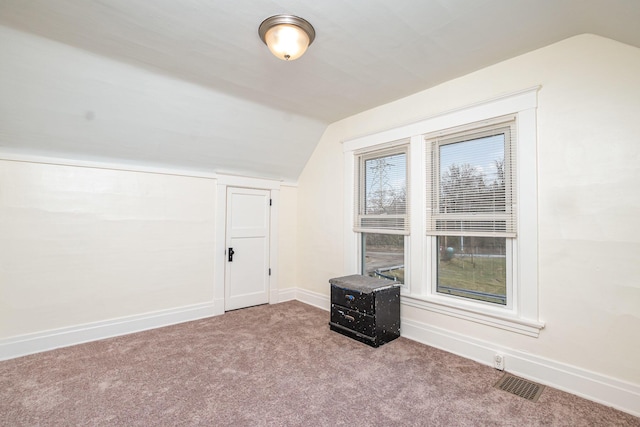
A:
<point x="366" y="52"/>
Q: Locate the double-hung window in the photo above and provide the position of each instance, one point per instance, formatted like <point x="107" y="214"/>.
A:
<point x="471" y="210"/>
<point x="470" y="250"/>
<point x="381" y="211"/>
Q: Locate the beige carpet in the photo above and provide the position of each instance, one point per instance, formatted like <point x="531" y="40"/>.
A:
<point x="276" y="365"/>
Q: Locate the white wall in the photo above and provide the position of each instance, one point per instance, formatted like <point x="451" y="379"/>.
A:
<point x="88" y="246"/>
<point x="93" y="250"/>
<point x="83" y="245"/>
<point x="589" y="244"/>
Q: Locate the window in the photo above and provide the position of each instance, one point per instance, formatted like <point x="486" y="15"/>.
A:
<point x="383" y="256"/>
<point x="382" y="216"/>
<point x="471" y="210"/>
<point x="470" y="250"/>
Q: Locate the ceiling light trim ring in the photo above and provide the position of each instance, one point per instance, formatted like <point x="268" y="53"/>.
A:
<point x="272" y="21"/>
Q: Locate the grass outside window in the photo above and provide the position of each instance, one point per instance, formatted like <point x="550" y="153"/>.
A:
<point x="473" y="267"/>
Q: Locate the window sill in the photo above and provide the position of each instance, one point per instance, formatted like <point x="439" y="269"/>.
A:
<point x="513" y="324"/>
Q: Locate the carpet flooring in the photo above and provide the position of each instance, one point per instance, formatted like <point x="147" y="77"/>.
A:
<point x="271" y="365"/>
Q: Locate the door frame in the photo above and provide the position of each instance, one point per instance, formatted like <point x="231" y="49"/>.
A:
<point x="219" y="263"/>
<point x="259" y="296"/>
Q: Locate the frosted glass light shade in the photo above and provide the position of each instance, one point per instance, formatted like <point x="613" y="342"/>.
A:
<point x="286" y="36"/>
<point x="287" y="42"/>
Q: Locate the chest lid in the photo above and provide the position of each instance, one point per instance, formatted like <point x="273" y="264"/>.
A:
<point x="363" y="284"/>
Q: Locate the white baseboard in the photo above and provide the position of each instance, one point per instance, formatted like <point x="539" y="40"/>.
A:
<point x="599" y="388"/>
<point x="313" y="298"/>
<point x="590" y="385"/>
<point x="288" y="294"/>
<point x="63" y="337"/>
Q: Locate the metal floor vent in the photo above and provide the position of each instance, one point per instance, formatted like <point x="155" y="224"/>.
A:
<point x="520" y="387"/>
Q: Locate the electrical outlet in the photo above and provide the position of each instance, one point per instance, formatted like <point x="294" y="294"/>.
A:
<point x="498" y="362"/>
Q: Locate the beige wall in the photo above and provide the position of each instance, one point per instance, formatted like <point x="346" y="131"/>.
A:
<point x="287" y="242"/>
<point x="588" y="166"/>
<point x="82" y="245"/>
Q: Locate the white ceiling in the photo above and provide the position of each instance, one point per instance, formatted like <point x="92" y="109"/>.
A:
<point x="366" y="52"/>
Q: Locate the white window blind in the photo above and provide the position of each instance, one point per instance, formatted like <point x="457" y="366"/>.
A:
<point x="381" y="192"/>
<point x="471" y="186"/>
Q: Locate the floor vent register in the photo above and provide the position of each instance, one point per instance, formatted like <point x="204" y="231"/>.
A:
<point x="520" y="387"/>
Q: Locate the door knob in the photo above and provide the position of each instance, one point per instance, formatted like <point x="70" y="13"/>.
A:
<point x="231" y="252"/>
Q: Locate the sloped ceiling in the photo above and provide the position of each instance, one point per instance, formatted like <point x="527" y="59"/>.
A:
<point x="366" y="53"/>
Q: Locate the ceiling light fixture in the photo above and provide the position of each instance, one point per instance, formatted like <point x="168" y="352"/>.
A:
<point x="287" y="36"/>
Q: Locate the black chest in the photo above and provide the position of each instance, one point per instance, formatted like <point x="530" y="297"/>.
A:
<point x="365" y="308"/>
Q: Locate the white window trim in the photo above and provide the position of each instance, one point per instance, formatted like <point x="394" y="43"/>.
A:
<point x="395" y="148"/>
<point x="522" y="316"/>
<point x="402" y="145"/>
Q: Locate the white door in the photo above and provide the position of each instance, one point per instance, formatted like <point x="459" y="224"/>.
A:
<point x="247" y="250"/>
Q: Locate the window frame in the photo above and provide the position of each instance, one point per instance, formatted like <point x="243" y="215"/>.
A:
<point x="358" y="160"/>
<point x="461" y="301"/>
<point x="395" y="148"/>
<point x="522" y="316"/>
<point x="470" y="132"/>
